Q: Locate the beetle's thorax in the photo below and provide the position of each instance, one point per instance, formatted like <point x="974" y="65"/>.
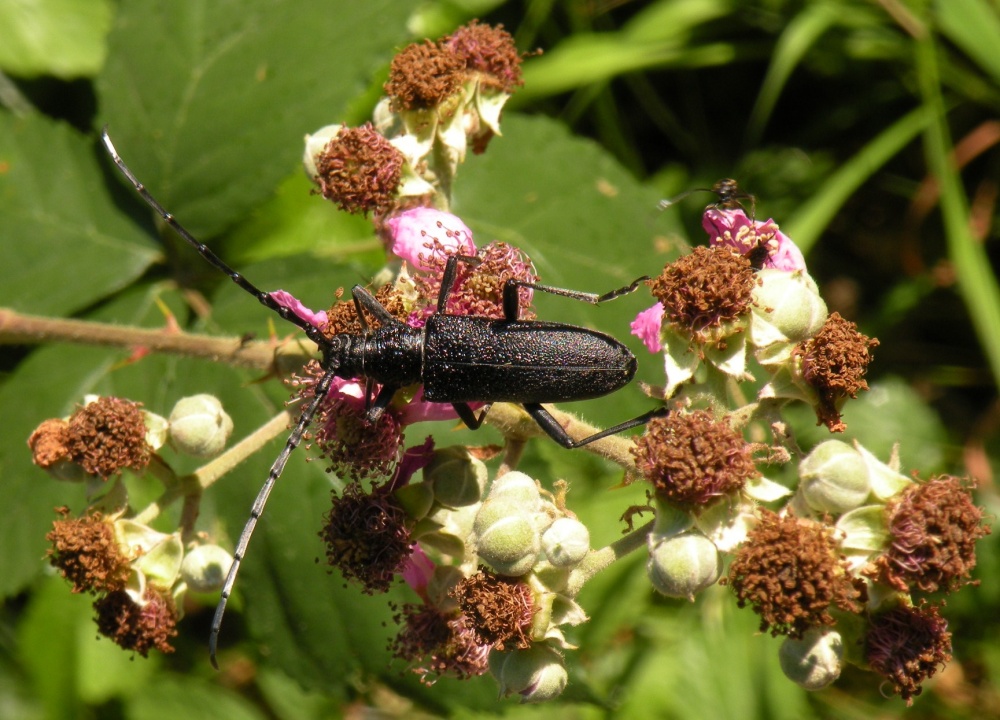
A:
<point x="391" y="354"/>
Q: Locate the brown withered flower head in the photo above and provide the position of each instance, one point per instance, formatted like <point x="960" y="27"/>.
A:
<point x="790" y="572"/>
<point x="86" y="552"/>
<point x="490" y="51"/>
<point x="342" y="317"/>
<point x="499" y="609"/>
<point x="359" y="170"/>
<point x="438" y="644"/>
<point x="834" y="363"/>
<point x="692" y="459"/>
<point x="366" y="536"/>
<point x="108" y="435"/>
<point x="138" y="627"/>
<point x="48" y="443"/>
<point x="703" y="291"/>
<point x="423" y="76"/>
<point x="933" y="529"/>
<point x="907" y="645"/>
<point x="352" y="446"/>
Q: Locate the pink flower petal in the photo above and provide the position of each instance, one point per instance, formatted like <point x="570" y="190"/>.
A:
<point x="286" y="299"/>
<point x="413" y="230"/>
<point x="646" y="327"/>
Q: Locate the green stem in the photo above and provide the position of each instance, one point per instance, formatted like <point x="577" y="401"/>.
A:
<point x="599" y="560"/>
<point x="191" y="486"/>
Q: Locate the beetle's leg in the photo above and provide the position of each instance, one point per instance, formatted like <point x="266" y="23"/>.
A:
<point x="512" y="303"/>
<point x="364" y="299"/>
<point x="382" y="401"/>
<point x="556" y="431"/>
<point x="449" y="275"/>
<point x="468" y="416"/>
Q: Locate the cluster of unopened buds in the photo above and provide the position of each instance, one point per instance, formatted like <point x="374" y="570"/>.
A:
<point x="841" y="557"/>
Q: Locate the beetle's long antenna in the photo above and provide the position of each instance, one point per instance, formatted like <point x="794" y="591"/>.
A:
<point x="321" y="389"/>
<point x="264" y="297"/>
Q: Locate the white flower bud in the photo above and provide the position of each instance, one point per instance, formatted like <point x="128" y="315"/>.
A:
<point x="199" y="426"/>
<point x="536" y="674"/>
<point x="205" y="567"/>
<point x="815" y="660"/>
<point x="834" y="478"/>
<point x="566" y="542"/>
<point x="683" y="565"/>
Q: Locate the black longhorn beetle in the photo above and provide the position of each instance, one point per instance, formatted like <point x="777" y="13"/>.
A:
<point x="458" y="359"/>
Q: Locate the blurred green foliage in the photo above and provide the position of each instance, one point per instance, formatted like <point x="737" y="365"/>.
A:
<point x="866" y="129"/>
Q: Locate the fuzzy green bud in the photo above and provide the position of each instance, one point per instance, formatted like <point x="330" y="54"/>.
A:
<point x="683" y="565"/>
<point x="199" y="426"/>
<point x="789" y="302"/>
<point x="458" y="478"/>
<point x="813" y="661"/>
<point x="834" y="478"/>
<point x="205" y="567"/>
<point x="566" y="542"/>
<point x="536" y="674"/>
<point x="518" y="488"/>
<point x="507" y="537"/>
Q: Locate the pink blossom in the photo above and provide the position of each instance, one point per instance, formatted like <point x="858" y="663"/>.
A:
<point x="646" y="327"/>
<point x="415" y="231"/>
<point x="417" y="570"/>
<point x="287" y="300"/>
<point x="732" y="228"/>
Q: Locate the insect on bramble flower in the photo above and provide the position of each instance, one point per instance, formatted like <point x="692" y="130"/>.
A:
<point x="458" y="359"/>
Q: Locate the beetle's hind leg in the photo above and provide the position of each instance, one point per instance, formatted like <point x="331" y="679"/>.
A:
<point x="556" y="431"/>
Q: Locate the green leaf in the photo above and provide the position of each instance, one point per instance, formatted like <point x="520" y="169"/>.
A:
<point x="63" y="38"/>
<point x="974" y="26"/>
<point x="185" y="696"/>
<point x="58" y="220"/>
<point x="208" y="101"/>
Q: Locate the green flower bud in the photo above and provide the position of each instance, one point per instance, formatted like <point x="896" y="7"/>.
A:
<point x="517" y="488"/>
<point x="536" y="674"/>
<point x="458" y="478"/>
<point x="683" y="565"/>
<point x="790" y="303"/>
<point x="566" y="542"/>
<point x="834" y="478"/>
<point x="199" y="426"/>
<point x="204" y="568"/>
<point x="815" y="660"/>
<point x="507" y="538"/>
<point x="416" y="499"/>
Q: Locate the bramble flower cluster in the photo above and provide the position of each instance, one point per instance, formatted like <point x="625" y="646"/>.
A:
<point x="853" y="536"/>
<point x="138" y="575"/>
<point x="838" y="557"/>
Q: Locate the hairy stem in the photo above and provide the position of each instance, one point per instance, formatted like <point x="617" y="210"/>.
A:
<point x="20" y="329"/>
